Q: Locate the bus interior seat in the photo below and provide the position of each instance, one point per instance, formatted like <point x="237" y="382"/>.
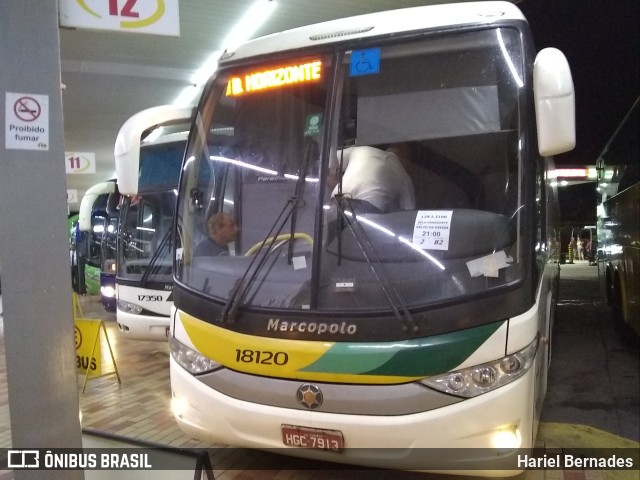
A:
<point x="447" y="175"/>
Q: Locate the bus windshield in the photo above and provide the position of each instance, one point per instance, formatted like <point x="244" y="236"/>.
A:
<point x="145" y="255"/>
<point x="146" y="219"/>
<point x="374" y="180"/>
<point x="109" y="241"/>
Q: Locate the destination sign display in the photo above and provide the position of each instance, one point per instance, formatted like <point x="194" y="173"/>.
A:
<point x="274" y="78"/>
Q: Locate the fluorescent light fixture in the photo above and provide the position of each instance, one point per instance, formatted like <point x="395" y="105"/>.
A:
<point x="206" y="69"/>
<point x="569" y="173"/>
<point x="188" y="95"/>
<point x="254" y="18"/>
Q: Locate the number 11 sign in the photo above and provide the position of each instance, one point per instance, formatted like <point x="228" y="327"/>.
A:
<point x="80" y="162"/>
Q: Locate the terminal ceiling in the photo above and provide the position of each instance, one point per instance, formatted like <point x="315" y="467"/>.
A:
<point x="109" y="76"/>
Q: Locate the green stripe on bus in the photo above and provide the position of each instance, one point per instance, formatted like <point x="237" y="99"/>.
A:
<point x="420" y="357"/>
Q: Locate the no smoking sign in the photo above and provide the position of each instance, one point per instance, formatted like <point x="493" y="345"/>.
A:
<point x="26" y="121"/>
<point x="27" y="109"/>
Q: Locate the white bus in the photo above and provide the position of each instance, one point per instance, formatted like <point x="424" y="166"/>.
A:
<point x="90" y="256"/>
<point x="148" y="154"/>
<point x="368" y="331"/>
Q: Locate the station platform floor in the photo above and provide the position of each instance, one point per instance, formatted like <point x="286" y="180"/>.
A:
<point x="592" y="400"/>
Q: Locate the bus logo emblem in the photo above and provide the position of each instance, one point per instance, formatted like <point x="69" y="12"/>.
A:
<point x="309" y="396"/>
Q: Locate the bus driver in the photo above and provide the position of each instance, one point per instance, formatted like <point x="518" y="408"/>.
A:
<point x="223" y="230"/>
<point x="376" y="178"/>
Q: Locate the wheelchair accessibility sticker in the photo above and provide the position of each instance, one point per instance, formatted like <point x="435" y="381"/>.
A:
<point x="365" y="62"/>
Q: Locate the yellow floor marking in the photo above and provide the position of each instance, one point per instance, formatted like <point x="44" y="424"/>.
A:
<point x="566" y="435"/>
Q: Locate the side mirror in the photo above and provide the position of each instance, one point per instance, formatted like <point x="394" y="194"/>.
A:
<point x="555" y="102"/>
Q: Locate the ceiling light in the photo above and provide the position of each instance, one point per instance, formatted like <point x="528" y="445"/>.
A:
<point x="187" y="95"/>
<point x="254" y="18"/>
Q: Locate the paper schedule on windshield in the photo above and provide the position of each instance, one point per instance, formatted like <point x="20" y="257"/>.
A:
<point x="432" y="228"/>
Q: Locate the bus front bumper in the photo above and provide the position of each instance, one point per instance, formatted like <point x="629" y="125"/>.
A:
<point x="463" y="438"/>
<point x="143" y="327"/>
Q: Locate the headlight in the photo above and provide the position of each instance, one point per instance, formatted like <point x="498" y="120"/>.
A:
<point x="129" y="307"/>
<point x="473" y="381"/>
<point x="108" y="291"/>
<point x="189" y="359"/>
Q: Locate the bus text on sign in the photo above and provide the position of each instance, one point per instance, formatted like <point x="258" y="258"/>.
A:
<point x="273" y="78"/>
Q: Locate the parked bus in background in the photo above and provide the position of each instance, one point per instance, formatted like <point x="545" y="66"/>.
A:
<point x="148" y="155"/>
<point x="108" y="252"/>
<point x="92" y="221"/>
<point x="371" y="319"/>
<point x="72" y="225"/>
<point x="619" y="221"/>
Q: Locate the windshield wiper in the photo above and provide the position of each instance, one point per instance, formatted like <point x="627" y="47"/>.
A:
<point x="242" y="286"/>
<point x="154" y="258"/>
<point x="391" y="294"/>
<point x="298" y="194"/>
<point x="339" y="203"/>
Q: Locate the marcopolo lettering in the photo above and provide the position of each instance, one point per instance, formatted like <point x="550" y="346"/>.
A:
<point x="318" y="328"/>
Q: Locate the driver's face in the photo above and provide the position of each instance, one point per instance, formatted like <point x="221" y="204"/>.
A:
<point x="228" y="231"/>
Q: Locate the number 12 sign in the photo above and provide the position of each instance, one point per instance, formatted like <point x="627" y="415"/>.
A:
<point x="160" y="17"/>
<point x="80" y="162"/>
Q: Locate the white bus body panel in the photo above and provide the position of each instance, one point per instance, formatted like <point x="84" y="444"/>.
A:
<point x="88" y="199"/>
<point x="376" y="24"/>
<point x="214" y="417"/>
<point x="209" y="415"/>
<point x="127" y="147"/>
<point x="144" y="327"/>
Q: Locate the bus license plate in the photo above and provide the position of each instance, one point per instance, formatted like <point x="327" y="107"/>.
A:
<point x="304" y="437"/>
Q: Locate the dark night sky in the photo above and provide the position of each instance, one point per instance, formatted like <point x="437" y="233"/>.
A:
<point x="601" y="40"/>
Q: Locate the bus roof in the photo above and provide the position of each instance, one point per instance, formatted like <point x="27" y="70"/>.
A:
<point x="89" y="198"/>
<point x="377" y="24"/>
<point x="127" y="146"/>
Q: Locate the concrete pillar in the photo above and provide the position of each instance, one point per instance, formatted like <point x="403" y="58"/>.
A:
<point x="34" y="249"/>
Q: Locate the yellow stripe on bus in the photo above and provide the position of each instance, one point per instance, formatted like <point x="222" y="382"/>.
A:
<point x="273" y="357"/>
